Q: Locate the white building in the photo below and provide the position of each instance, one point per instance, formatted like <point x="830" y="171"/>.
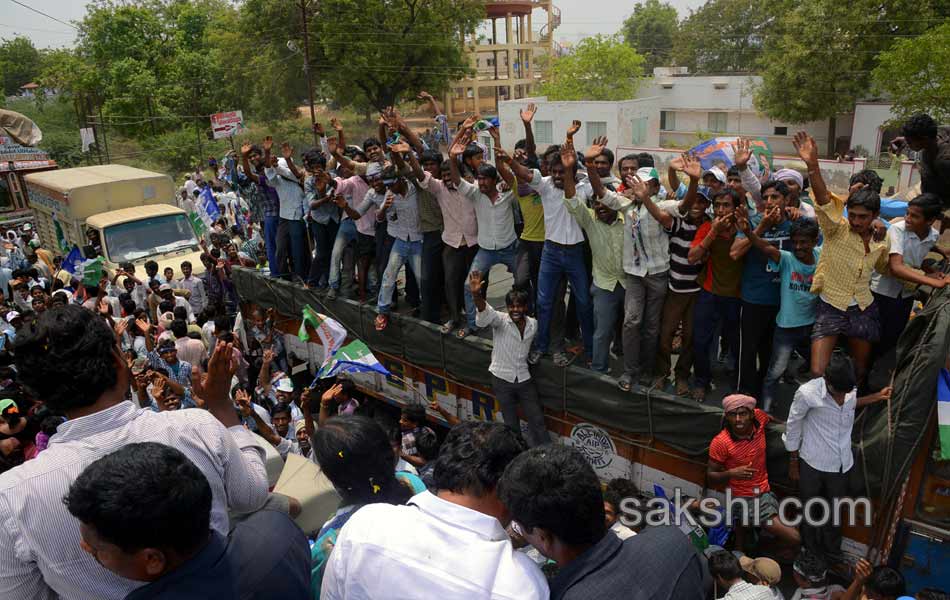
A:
<point x="870" y="134"/>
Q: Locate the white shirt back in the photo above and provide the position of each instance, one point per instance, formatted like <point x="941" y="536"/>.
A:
<point x="430" y="548"/>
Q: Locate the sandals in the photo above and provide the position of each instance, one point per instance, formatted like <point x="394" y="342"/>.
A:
<point x="381" y="322"/>
<point x="464" y="332"/>
<point x="562" y="359"/>
<point x="447" y="327"/>
<point x="625" y="382"/>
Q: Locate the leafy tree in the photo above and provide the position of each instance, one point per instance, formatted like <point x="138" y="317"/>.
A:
<point x="819" y="61"/>
<point x="20" y="63"/>
<point x="724" y="35"/>
<point x="600" y="68"/>
<point x="915" y="74"/>
<point x="650" y="30"/>
<point x="383" y="51"/>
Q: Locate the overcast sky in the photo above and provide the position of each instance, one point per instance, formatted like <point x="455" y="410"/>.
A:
<point x="579" y="18"/>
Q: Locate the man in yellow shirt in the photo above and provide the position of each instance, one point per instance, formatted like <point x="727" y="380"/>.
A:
<point x="842" y="280"/>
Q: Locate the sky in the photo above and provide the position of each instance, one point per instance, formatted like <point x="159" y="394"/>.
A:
<point x="579" y="19"/>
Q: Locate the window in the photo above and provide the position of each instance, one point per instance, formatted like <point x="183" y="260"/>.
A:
<point x="149" y="236"/>
<point x="639" y="131"/>
<point x="718" y="122"/>
<point x="543" y="132"/>
<point x="595" y="129"/>
<point x="781" y="131"/>
<point x="667" y="120"/>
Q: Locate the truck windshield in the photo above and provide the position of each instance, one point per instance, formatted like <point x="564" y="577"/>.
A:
<point x="147" y="237"/>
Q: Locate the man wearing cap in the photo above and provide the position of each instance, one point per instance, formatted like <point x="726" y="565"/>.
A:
<point x="796" y="195"/>
<point x="166" y="357"/>
<point x="646" y="264"/>
<point x="737" y="459"/>
<point x="765" y="572"/>
<point x="726" y="571"/>
<point x="167" y="292"/>
<point x="818" y="436"/>
<point x="811" y="576"/>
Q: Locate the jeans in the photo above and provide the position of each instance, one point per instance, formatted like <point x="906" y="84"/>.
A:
<point x="524" y="394"/>
<point x="606" y="305"/>
<point x="642" y="307"/>
<point x="384" y="244"/>
<point x="432" y="276"/>
<point x="483" y="262"/>
<point x="270" y="243"/>
<point x="527" y="266"/>
<point x="345" y="234"/>
<point x="710" y="312"/>
<point x="293" y="250"/>
<point x="784" y="341"/>
<point x="757" y="321"/>
<point x="677" y="308"/>
<point x="558" y="260"/>
<point x="402" y="253"/>
<point x="324" y="236"/>
<point x="456" y="262"/>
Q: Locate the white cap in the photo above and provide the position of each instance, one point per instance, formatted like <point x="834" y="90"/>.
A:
<point x="165" y="287"/>
<point x="717" y="173"/>
<point x="647" y="173"/>
<point x="374" y="169"/>
<point x="285" y="385"/>
<point x="12" y="315"/>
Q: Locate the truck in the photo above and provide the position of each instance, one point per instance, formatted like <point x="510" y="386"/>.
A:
<point x="131" y="211"/>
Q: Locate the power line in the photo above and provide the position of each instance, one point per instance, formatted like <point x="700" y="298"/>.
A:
<point x="39" y="12"/>
<point x="18" y="28"/>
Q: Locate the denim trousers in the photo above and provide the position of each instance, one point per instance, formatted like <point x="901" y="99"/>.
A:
<point x="557" y="260"/>
<point x="785" y="340"/>
<point x="606" y="307"/>
<point x="403" y="253"/>
<point x="293" y="249"/>
<point x="345" y="234"/>
<point x="642" y="308"/>
<point x="324" y="236"/>
<point x="270" y="244"/>
<point x="710" y="312"/>
<point x="484" y="261"/>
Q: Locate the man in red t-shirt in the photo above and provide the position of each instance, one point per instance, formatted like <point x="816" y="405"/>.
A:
<point x="737" y="459"/>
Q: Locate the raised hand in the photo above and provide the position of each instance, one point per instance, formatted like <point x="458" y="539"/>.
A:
<point x="596" y="148"/>
<point x="388" y="201"/>
<point x="527" y="113"/>
<point x="568" y="156"/>
<point x="501" y="155"/>
<point x="678" y="163"/>
<point x="121" y="326"/>
<point x="741" y="150"/>
<point x="806" y="147"/>
<point x="216" y="387"/>
<point x="245" y="148"/>
<point x="424" y="95"/>
<point x="333" y="145"/>
<point x="329" y="395"/>
<point x="336" y="124"/>
<point x="574" y="128"/>
<point x="243" y="401"/>
<point x="268" y="356"/>
<point x="287" y="150"/>
<point x="318" y="129"/>
<point x="475" y="283"/>
<point x="399" y="147"/>
<point x="637" y="186"/>
<point x="692" y="166"/>
<point x="267" y="144"/>
<point x="470" y="122"/>
<point x="458" y="148"/>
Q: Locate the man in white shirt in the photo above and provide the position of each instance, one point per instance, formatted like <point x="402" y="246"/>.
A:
<point x="818" y="436"/>
<point x="70" y="359"/>
<point x="293" y="249"/>
<point x="512" y="334"/>
<point x="449" y="545"/>
<point x="563" y="253"/>
<point x="198" y="299"/>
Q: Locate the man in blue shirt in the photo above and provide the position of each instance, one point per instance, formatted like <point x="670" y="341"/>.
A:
<point x="133" y="526"/>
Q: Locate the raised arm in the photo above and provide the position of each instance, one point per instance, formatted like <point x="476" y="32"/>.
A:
<point x="808" y="151"/>
<point x="569" y="160"/>
<point x="502" y="160"/>
<point x="416" y="168"/>
<point x="698" y="252"/>
<point x="752" y="238"/>
<point x="337" y="126"/>
<point x="424" y="95"/>
<point x="455" y="151"/>
<point x="642" y="192"/>
<point x="742" y="152"/>
<point x="475" y="286"/>
<point x="527" y="115"/>
<point x="288" y="152"/>
<point x="407" y="132"/>
<point x="694" y="169"/>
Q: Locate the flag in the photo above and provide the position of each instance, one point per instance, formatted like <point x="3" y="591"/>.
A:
<point x="355" y="357"/>
<point x="943" y="413"/>
<point x="208" y="207"/>
<point x="694" y="531"/>
<point x="718" y="152"/>
<point x="60" y="236"/>
<point x="92" y="271"/>
<point x="331" y="333"/>
<point x="198" y="224"/>
<point x="73" y="261"/>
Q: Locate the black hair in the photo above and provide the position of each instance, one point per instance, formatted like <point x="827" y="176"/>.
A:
<point x="724" y="565"/>
<point x="522" y="143"/>
<point x="314" y="157"/>
<point x="517" y="295"/>
<point x="127" y="266"/>
<point x="920" y="126"/>
<point x="355" y="454"/>
<point x="415" y="413"/>
<point x="929" y="204"/>
<point x="866" y="198"/>
<point x="347" y="387"/>
<point x="430" y="156"/>
<point x="369" y="142"/>
<point x="733" y="172"/>
<point x="166" y="344"/>
<point x="645" y="159"/>
<point x="471" y="150"/>
<point x="552" y="149"/>
<point x="617" y="489"/>
<point x="427" y="444"/>
<point x="128" y="306"/>
<point x="805" y="227"/>
<point x="727" y="192"/>
<point x="869" y="178"/>
<point x="780" y="186"/>
<point x="179" y="328"/>
<point x="281" y="407"/>
<point x="474" y="456"/>
<point x="66" y="357"/>
<point x="840" y="373"/>
<point x="555" y="488"/>
<point x="151" y="264"/>
<point x="610" y="156"/>
<point x="487" y="170"/>
<point x="222" y="323"/>
<point x="885" y="581"/>
<point x="166" y="306"/>
<point x="144" y="495"/>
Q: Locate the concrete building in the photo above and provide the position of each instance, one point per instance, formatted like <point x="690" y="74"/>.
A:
<point x="504" y="54"/>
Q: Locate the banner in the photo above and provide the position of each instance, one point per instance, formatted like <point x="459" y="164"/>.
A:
<point x="355" y="357"/>
<point x="717" y="152"/>
<point x="943" y="413"/>
<point x="92" y="271"/>
<point x="331" y="334"/>
<point x="227" y="124"/>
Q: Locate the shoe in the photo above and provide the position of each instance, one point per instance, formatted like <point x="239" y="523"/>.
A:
<point x="659" y="382"/>
<point x="562" y="359"/>
<point x="447" y="327"/>
<point x="321" y="292"/>
<point x="625" y="382"/>
<point x="698" y="394"/>
<point x="331" y="294"/>
<point x="534" y="357"/>
<point x="682" y="387"/>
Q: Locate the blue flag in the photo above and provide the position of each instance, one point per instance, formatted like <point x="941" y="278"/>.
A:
<point x="73" y="261"/>
<point x="207" y="205"/>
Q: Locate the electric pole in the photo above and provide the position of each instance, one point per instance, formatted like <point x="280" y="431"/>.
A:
<point x="306" y="68"/>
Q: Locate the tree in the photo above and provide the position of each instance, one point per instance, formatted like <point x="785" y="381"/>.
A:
<point x="382" y="51"/>
<point x="818" y="62"/>
<point x="20" y="63"/>
<point x="914" y="74"/>
<point x="724" y="35"/>
<point x="650" y="30"/>
<point x="600" y="68"/>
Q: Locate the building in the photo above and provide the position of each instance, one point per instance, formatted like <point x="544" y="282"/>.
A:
<point x="29" y="90"/>
<point x="504" y="55"/>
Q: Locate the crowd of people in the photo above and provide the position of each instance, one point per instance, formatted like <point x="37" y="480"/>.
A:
<point x="129" y="468"/>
